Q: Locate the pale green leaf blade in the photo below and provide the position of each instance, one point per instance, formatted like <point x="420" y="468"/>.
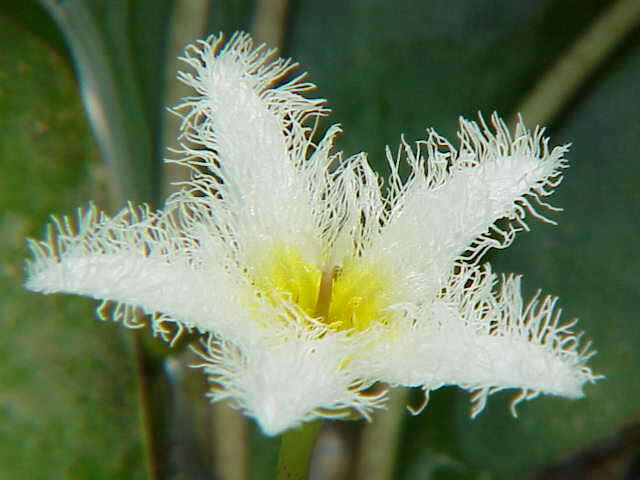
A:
<point x="68" y="405"/>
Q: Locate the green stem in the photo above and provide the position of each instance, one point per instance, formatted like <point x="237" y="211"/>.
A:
<point x="270" y="22"/>
<point x="380" y="439"/>
<point x="560" y="83"/>
<point x="295" y="451"/>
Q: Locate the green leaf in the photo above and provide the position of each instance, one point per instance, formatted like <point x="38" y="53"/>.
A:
<point x="67" y="383"/>
<point x="117" y="48"/>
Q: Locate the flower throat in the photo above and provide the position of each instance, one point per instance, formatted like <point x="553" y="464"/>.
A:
<point x="352" y="296"/>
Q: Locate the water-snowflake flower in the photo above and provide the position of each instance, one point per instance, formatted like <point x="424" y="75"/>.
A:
<point x="312" y="280"/>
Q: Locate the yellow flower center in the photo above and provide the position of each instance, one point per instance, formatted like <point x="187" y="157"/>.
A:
<point x="352" y="296"/>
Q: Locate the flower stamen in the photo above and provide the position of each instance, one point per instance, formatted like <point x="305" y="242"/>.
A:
<point x="324" y="294"/>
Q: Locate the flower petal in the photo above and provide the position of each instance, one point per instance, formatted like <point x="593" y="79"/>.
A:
<point x="143" y="259"/>
<point x="356" y="191"/>
<point x="452" y="200"/>
<point x="483" y="341"/>
<point x="285" y="379"/>
<point x="247" y="129"/>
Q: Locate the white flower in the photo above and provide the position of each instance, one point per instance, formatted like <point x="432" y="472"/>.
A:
<point x="311" y="283"/>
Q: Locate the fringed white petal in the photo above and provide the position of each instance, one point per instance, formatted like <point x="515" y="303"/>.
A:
<point x="483" y="341"/>
<point x="450" y="204"/>
<point x="362" y="208"/>
<point x="288" y="378"/>
<point x="144" y="259"/>
<point x="246" y="130"/>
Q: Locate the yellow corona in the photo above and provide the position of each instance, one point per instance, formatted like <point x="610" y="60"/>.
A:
<point x="349" y="297"/>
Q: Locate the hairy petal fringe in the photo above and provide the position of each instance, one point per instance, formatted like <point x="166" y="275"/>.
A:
<point x="150" y="260"/>
<point x="484" y="340"/>
<point x="289" y="381"/>
<point x="448" y="208"/>
<point x="244" y="135"/>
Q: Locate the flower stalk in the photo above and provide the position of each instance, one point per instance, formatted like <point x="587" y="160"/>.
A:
<point x="296" y="449"/>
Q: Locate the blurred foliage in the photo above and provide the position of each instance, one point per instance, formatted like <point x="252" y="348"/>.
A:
<point x="117" y="49"/>
<point x="67" y="397"/>
<point x="67" y="389"/>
